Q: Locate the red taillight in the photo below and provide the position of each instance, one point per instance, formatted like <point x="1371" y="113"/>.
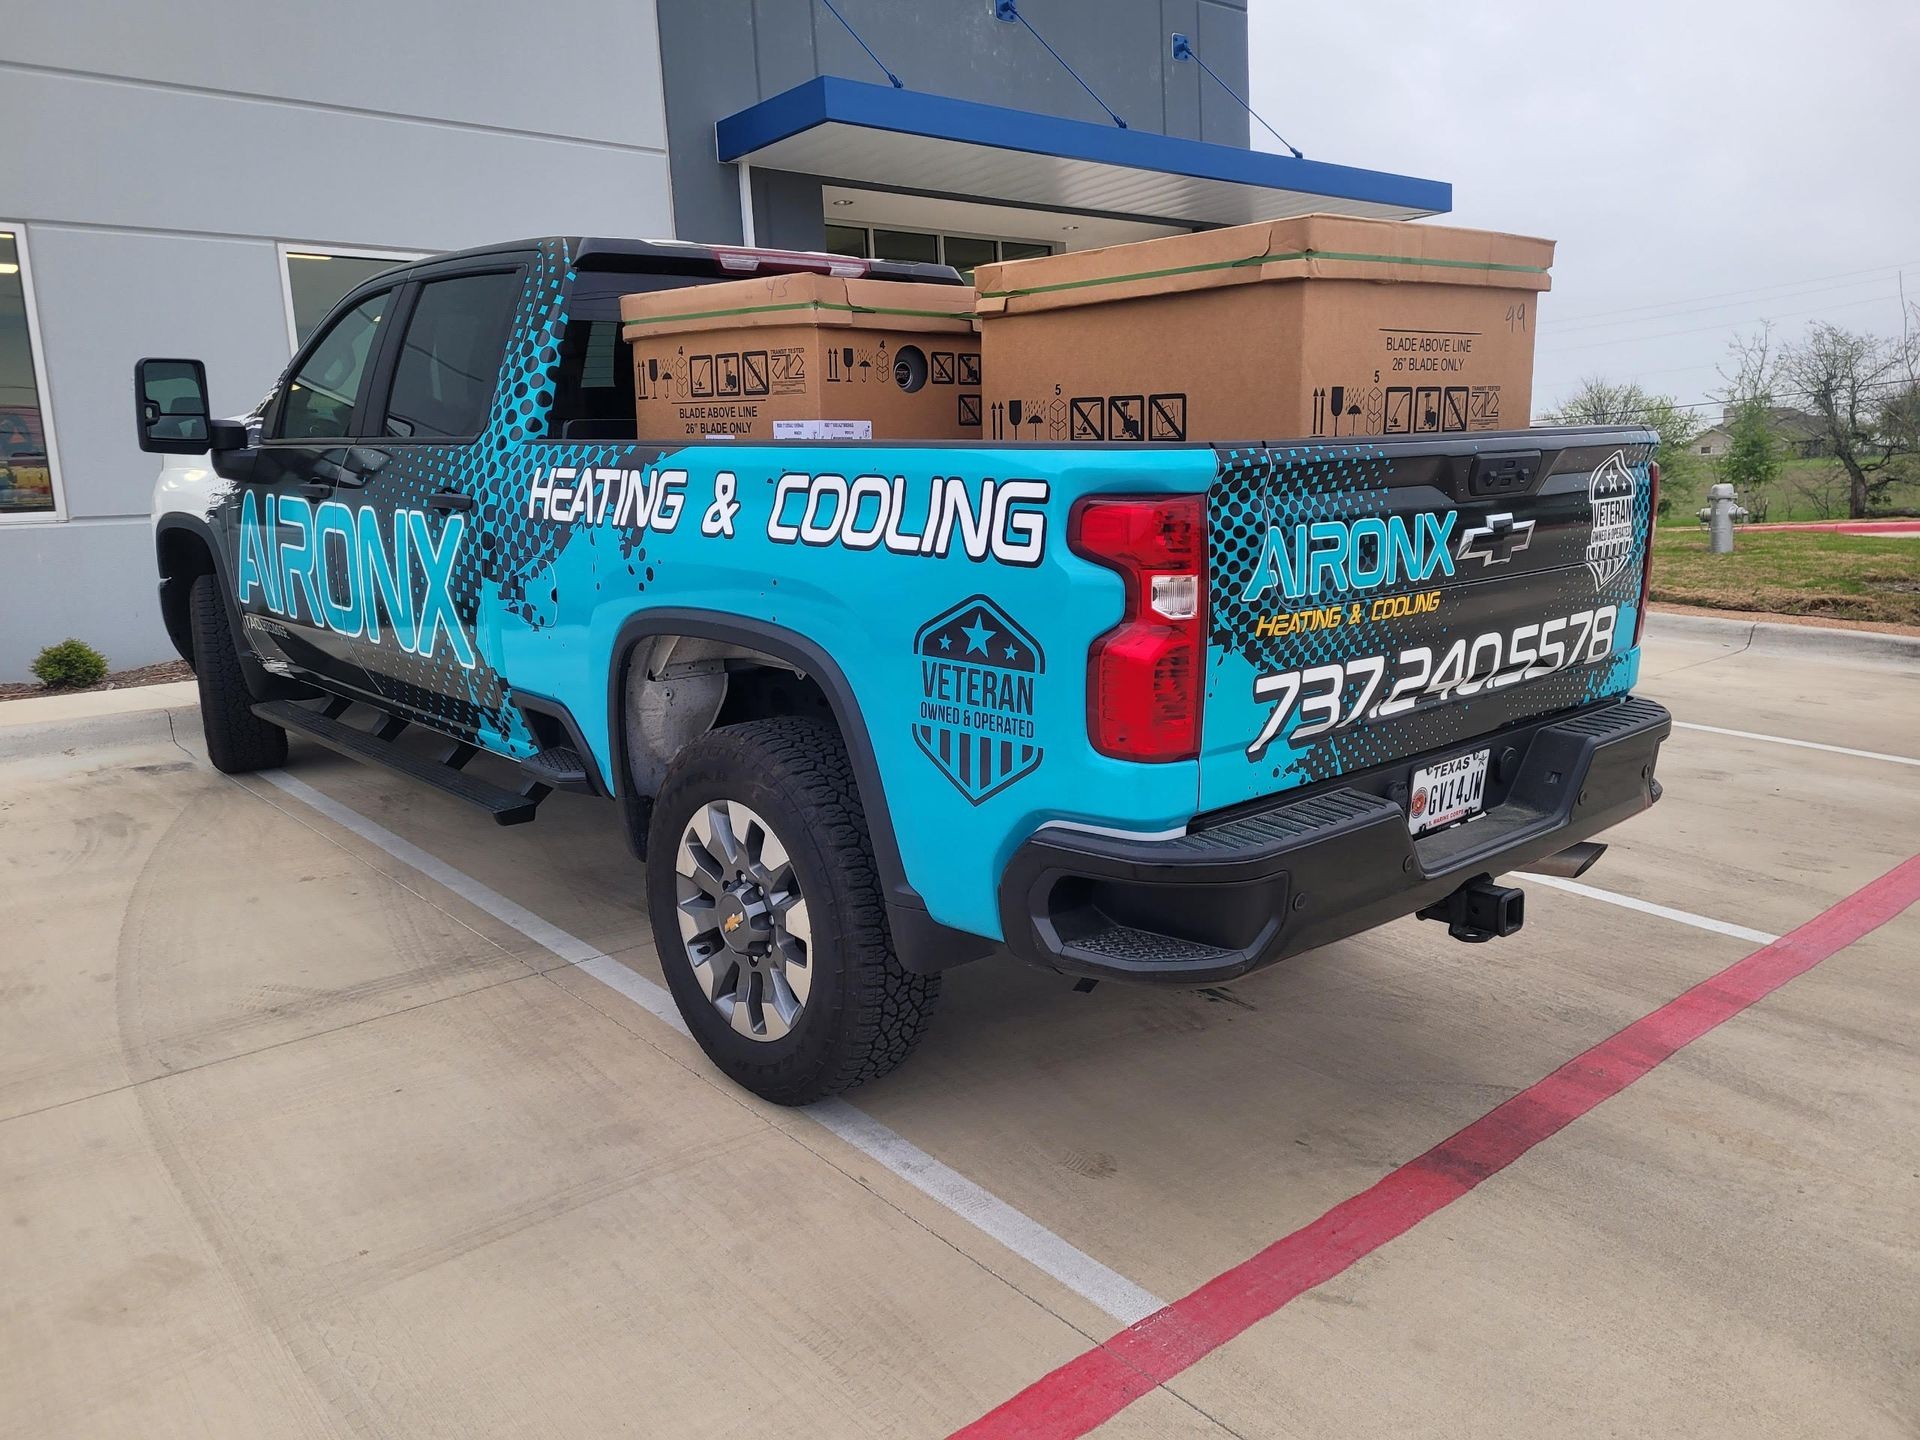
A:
<point x="1146" y="675"/>
<point x="1646" y="565"/>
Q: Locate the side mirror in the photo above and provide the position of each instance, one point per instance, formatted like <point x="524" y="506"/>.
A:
<point x="171" y="410"/>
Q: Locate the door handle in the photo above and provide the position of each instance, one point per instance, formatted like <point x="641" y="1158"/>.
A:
<point x="314" y="490"/>
<point x="328" y="467"/>
<point x="449" y="500"/>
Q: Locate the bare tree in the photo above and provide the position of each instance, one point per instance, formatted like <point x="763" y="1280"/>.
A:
<point x="1600" y="401"/>
<point x="1753" y="457"/>
<point x="1751" y="370"/>
<point x="1855" y="383"/>
<point x="1823" y="491"/>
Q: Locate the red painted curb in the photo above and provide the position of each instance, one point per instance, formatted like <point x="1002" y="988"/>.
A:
<point x="1845" y="527"/>
<point x="1096" y="1386"/>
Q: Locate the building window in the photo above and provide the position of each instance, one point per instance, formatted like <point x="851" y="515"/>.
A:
<point x="912" y="246"/>
<point x="316" y="278"/>
<point x="28" y="487"/>
<point x="962" y="252"/>
<point x="848" y="240"/>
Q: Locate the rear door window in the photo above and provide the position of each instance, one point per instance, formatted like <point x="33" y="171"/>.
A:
<point x="322" y="395"/>
<point x="449" y="361"/>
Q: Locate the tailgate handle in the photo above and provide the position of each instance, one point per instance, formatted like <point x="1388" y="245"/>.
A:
<point x="1509" y="474"/>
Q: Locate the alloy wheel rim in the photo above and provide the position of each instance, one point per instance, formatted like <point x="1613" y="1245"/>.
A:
<point x="743" y="920"/>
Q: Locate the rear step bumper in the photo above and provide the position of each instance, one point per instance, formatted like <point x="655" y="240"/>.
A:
<point x="1256" y="886"/>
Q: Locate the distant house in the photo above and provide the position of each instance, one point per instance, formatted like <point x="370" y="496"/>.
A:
<point x="1713" y="443"/>
<point x="1800" y="434"/>
<point x="1804" y="434"/>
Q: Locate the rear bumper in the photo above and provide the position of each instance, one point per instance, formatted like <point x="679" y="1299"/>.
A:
<point x="1252" y="886"/>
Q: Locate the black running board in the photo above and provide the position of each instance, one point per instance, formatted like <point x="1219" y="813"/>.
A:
<point x="507" y="807"/>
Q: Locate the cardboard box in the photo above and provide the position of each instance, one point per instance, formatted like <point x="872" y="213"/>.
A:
<point x="1320" y="326"/>
<point x="805" y="357"/>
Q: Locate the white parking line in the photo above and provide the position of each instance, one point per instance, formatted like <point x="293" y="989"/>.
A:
<point x="1020" y="1233"/>
<point x="1647" y="907"/>
<point x="1026" y="1237"/>
<point x="1798" y="744"/>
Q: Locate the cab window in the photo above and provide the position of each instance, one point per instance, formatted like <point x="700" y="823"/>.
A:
<point x="444" y="379"/>
<point x="320" y="397"/>
<point x="593" y="384"/>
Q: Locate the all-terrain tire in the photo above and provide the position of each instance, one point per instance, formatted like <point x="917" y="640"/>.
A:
<point x="864" y="1012"/>
<point x="237" y="739"/>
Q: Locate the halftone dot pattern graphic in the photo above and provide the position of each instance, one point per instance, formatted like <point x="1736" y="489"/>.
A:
<point x="503" y="571"/>
<point x="1287" y="486"/>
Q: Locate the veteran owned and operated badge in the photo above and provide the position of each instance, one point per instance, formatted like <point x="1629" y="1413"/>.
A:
<point x="975" y="717"/>
<point x="1610" y="497"/>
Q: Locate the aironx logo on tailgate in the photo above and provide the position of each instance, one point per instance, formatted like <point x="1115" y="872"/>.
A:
<point x="1356" y="618"/>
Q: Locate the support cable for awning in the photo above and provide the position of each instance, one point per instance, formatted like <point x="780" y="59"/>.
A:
<point x="1009" y="11"/>
<point x="1183" y="50"/>
<point x="895" y="79"/>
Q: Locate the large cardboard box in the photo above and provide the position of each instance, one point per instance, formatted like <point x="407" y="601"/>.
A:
<point x="1319" y="326"/>
<point x="805" y="357"/>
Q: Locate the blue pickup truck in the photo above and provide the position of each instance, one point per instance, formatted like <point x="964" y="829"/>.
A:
<point x="1154" y="712"/>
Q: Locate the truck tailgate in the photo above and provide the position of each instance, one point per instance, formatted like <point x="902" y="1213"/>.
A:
<point x="1373" y="601"/>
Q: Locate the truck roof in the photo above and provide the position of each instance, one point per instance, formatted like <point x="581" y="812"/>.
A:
<point x="722" y="261"/>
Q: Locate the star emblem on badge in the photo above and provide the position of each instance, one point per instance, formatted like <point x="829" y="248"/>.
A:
<point x="978" y="635"/>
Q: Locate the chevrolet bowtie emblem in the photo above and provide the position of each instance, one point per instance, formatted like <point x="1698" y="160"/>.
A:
<point x="1496" y="542"/>
<point x="732" y="922"/>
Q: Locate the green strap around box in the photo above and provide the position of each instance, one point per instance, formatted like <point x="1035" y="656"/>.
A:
<point x="1253" y="260"/>
<point x="798" y="305"/>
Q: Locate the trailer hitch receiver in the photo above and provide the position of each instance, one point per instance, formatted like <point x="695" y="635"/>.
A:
<point x="1480" y="910"/>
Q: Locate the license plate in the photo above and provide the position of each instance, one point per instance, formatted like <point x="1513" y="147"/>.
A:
<point x="1448" y="792"/>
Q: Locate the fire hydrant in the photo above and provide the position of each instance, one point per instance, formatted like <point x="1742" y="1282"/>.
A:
<point x="1718" y="515"/>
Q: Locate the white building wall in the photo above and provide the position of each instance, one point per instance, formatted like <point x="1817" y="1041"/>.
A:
<point x="159" y="154"/>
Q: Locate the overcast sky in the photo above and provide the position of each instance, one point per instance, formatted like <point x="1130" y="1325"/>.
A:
<point x="1702" y="163"/>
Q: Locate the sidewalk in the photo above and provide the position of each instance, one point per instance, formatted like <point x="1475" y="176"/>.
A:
<point x="86" y="704"/>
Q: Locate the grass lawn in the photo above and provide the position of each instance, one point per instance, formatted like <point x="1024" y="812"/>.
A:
<point x="1849" y="577"/>
<point x="1803" y="490"/>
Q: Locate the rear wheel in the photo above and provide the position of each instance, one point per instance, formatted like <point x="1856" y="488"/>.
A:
<point x="237" y="739"/>
<point x="767" y="913"/>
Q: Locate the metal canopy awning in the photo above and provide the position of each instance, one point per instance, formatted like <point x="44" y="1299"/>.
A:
<point x="874" y="135"/>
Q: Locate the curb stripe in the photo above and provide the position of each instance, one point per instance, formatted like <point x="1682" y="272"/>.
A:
<point x="1099" y="1384"/>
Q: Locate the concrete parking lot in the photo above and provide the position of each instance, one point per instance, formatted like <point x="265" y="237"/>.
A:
<point x="326" y="1109"/>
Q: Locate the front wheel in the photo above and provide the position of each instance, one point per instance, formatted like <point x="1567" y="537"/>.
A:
<point x="237" y="739"/>
<point x="768" y="915"/>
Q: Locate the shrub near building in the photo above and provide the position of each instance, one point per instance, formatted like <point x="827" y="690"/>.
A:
<point x="69" y="665"/>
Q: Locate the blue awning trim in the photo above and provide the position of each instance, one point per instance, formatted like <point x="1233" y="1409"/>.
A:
<point x="831" y="100"/>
